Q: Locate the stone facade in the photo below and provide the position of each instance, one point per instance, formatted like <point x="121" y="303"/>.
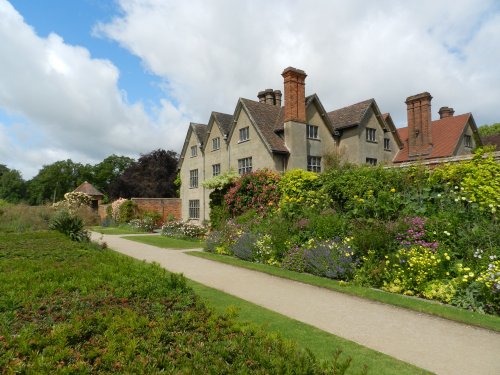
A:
<point x="265" y="134"/>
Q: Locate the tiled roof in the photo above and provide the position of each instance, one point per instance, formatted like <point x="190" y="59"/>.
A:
<point x="224" y="120"/>
<point x="351" y="115"/>
<point x="265" y="117"/>
<point x="89" y="189"/>
<point x="445" y="134"/>
<point x="200" y="130"/>
<point x="491" y="140"/>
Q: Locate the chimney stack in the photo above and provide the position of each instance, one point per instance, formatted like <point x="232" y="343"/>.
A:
<point x="277" y="98"/>
<point x="268" y="96"/>
<point x="262" y="96"/>
<point x="446" y="112"/>
<point x="295" y="94"/>
<point x="419" y="124"/>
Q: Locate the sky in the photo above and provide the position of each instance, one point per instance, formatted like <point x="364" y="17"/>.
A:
<point x="85" y="79"/>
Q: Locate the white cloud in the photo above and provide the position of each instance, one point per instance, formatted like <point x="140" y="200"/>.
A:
<point x="69" y="103"/>
<point x="213" y="52"/>
<point x="209" y="53"/>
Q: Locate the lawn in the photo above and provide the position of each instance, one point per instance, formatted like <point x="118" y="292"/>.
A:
<point x="123" y="229"/>
<point x="411" y="303"/>
<point x="69" y="307"/>
<point x="167" y="242"/>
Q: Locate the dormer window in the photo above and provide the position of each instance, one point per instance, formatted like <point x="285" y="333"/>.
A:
<point x="370" y="135"/>
<point x="194" y="151"/>
<point x="216" y="143"/>
<point x="468" y="141"/>
<point x="312" y="132"/>
<point x="244" y="134"/>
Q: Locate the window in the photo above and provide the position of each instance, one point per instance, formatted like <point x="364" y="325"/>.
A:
<point x="468" y="141"/>
<point x="244" y="134"/>
<point x="314" y="163"/>
<point x="193" y="178"/>
<point x="244" y="165"/>
<point x="194" y="209"/>
<point x="215" y="169"/>
<point x="312" y="132"/>
<point x="370" y="135"/>
<point x="194" y="151"/>
<point x="371" y="161"/>
<point x="216" y="143"/>
<point x="387" y="144"/>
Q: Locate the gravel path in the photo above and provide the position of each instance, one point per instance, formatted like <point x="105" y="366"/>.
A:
<point x="432" y="343"/>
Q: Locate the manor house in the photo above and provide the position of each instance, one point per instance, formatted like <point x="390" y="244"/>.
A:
<point x="291" y="130"/>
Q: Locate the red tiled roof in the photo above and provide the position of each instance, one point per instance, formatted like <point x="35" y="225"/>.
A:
<point x="445" y="135"/>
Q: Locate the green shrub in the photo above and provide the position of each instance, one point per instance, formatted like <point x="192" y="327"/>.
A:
<point x="301" y="190"/>
<point x="70" y="225"/>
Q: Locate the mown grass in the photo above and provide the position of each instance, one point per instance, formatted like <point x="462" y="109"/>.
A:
<point x="433" y="308"/>
<point x="123" y="229"/>
<point x="167" y="242"/>
<point x="322" y="344"/>
<point x="69" y="307"/>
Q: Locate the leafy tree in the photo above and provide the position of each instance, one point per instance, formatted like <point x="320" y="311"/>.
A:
<point x="109" y="170"/>
<point x="485" y="130"/>
<point x="54" y="180"/>
<point x="12" y="185"/>
<point x="153" y="175"/>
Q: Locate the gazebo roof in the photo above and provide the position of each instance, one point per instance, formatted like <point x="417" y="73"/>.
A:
<point x="89" y="189"/>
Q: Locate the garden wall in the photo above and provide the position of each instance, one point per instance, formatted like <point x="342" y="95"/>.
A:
<point x="166" y="207"/>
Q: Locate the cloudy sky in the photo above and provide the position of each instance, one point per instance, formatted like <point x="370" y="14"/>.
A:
<point x="89" y="78"/>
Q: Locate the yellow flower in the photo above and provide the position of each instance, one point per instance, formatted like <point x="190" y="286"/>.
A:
<point x="393" y="190"/>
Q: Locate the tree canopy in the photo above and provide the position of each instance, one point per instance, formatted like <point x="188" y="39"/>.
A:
<point x="151" y="176"/>
<point x="485" y="130"/>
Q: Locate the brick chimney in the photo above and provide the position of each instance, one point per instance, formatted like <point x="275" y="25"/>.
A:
<point x="295" y="94"/>
<point x="419" y="124"/>
<point x="445" y="112"/>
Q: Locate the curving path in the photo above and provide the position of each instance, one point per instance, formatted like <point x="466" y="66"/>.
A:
<point x="432" y="343"/>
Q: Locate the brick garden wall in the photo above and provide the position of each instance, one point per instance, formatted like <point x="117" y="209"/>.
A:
<point x="164" y="206"/>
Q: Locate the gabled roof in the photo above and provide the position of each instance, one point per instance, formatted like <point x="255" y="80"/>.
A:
<point x="200" y="131"/>
<point x="350" y="116"/>
<point x="88" y="189"/>
<point x="264" y="117"/>
<point x="446" y="134"/>
<point x="224" y="120"/>
<point x="224" y="123"/>
<point x="391" y="127"/>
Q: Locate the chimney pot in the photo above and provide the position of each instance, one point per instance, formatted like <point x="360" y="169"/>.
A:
<point x="262" y="96"/>
<point x="277" y="98"/>
<point x="269" y="96"/>
<point x="446" y="112"/>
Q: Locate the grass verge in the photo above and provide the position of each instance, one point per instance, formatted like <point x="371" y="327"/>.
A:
<point x="167" y="242"/>
<point x="322" y="344"/>
<point x="429" y="307"/>
<point x="125" y="229"/>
